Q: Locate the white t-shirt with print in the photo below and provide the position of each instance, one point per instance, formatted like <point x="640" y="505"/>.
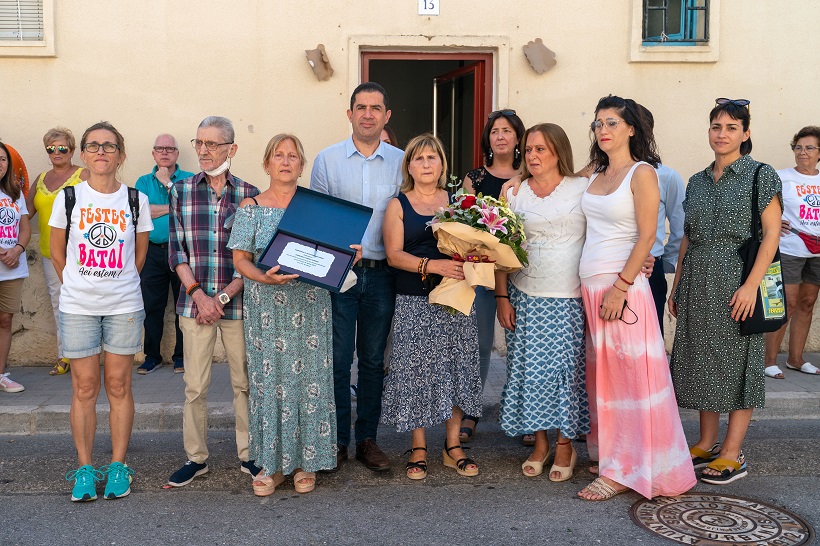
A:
<point x="801" y="207"/>
<point x="10" y="211"/>
<point x="100" y="276"/>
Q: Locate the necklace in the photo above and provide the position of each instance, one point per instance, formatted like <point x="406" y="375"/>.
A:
<point x="611" y="179"/>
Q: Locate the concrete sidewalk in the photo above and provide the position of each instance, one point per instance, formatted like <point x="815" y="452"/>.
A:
<point x="43" y="407"/>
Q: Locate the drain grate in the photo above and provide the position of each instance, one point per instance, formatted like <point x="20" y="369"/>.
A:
<point x="706" y="519"/>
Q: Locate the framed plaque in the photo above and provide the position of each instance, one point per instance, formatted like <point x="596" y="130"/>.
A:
<point x="314" y="236"/>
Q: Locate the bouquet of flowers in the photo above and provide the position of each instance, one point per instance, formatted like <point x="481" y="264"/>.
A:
<point x="483" y="233"/>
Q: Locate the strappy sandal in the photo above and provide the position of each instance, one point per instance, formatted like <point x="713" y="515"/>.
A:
<point x="702" y="457"/>
<point x="63" y="366"/>
<point x="465" y="434"/>
<point x="729" y="471"/>
<point x="304" y="487"/>
<point x="461" y="464"/>
<point x="412" y="465"/>
<point x="564" y="471"/>
<point x="602" y="489"/>
<point x="266" y="485"/>
<point x="537" y="466"/>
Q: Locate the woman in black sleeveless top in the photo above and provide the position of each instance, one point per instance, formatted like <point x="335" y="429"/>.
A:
<point x="434" y="374"/>
<point x="502" y="160"/>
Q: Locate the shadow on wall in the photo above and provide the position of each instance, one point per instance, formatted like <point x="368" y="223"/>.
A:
<point x="34" y="342"/>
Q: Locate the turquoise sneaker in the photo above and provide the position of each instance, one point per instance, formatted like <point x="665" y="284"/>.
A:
<point x="85" y="483"/>
<point x="119" y="480"/>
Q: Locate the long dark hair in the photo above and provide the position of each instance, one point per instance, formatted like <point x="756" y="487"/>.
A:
<point x="518" y="127"/>
<point x="642" y="145"/>
<point x="737" y="113"/>
<point x="8" y="184"/>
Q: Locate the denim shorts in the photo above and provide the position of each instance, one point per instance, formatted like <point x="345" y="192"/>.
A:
<point x="87" y="335"/>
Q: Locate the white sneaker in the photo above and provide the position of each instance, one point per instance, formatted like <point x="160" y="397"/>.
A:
<point x="9" y="385"/>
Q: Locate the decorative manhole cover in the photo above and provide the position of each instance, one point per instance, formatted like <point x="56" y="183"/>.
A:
<point x="707" y="519"/>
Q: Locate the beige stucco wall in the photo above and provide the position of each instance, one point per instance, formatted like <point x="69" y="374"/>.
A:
<point x="156" y="66"/>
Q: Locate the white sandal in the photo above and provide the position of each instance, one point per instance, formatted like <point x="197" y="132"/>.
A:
<point x="774" y="372"/>
<point x="807" y="367"/>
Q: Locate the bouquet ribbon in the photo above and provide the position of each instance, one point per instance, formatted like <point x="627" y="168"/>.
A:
<point x="482" y="254"/>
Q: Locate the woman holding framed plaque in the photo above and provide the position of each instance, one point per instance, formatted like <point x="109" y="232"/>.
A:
<point x="289" y="339"/>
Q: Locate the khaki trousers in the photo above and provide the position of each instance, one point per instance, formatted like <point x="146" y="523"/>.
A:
<point x="198" y="350"/>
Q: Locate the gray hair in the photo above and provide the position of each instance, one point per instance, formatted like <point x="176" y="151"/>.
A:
<point x="169" y="135"/>
<point x="223" y="124"/>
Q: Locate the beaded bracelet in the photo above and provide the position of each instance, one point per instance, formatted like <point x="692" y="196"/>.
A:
<point x="619" y="288"/>
<point x="626" y="281"/>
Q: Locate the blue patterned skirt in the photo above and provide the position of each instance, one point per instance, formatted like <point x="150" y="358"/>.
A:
<point x="546" y="367"/>
<point x="433" y="365"/>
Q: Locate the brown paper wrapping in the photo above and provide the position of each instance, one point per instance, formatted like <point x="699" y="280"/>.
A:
<point x="454" y="238"/>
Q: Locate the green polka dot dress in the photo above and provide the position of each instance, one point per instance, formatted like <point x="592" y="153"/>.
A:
<point x="713" y="367"/>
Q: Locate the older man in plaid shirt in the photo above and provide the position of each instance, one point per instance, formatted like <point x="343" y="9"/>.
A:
<point x="201" y="211"/>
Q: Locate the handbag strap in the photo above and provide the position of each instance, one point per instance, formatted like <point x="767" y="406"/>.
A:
<point x="755" y="213"/>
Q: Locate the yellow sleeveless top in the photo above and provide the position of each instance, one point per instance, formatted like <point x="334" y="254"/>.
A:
<point x="44" y="202"/>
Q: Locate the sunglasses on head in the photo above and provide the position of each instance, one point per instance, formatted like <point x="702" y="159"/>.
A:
<point x="737" y="102"/>
<point x="62" y="149"/>
<point x="501" y="113"/>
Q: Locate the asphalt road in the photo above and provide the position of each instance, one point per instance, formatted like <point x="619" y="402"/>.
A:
<point x="356" y="506"/>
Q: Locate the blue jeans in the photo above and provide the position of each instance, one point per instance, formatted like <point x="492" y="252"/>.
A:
<point x="485" y="320"/>
<point x="361" y="316"/>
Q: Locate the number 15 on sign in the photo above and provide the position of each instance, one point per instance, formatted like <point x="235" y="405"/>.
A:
<point x="429" y="7"/>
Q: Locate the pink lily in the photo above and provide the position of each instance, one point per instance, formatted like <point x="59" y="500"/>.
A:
<point x="491" y="219"/>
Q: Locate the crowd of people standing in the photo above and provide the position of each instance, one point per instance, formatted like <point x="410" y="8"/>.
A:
<point x="583" y="320"/>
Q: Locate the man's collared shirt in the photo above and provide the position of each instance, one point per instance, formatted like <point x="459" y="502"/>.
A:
<point x="342" y="171"/>
<point x="158" y="195"/>
<point x="200" y="224"/>
<point x="671" y="207"/>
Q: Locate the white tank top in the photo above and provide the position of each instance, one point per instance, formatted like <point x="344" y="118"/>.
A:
<point x="612" y="230"/>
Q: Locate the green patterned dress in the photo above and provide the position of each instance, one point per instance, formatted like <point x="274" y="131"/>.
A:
<point x="713" y="367"/>
<point x="288" y="334"/>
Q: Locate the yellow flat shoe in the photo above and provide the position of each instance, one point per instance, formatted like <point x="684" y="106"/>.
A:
<point x="63" y="366"/>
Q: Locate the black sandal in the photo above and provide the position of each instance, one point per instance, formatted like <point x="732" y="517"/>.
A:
<point x="465" y="434"/>
<point x="411" y="465"/>
<point x="461" y="464"/>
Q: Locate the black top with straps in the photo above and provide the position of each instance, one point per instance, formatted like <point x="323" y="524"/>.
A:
<point x="486" y="183"/>
<point x="418" y="241"/>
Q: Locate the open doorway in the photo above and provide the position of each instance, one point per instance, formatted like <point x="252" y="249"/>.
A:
<point x="446" y="93"/>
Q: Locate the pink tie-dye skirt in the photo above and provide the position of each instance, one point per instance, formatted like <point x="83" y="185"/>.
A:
<point x="636" y="432"/>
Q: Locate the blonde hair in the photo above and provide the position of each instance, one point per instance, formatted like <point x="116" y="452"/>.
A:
<point x="558" y="142"/>
<point x="414" y="147"/>
<point x="60" y="133"/>
<point x="276" y="141"/>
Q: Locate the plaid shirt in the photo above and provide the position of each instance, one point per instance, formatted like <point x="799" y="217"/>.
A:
<point x="200" y="224"/>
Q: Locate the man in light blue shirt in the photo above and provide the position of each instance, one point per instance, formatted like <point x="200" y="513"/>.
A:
<point x="364" y="170"/>
<point x="156" y="276"/>
<point x="671" y="208"/>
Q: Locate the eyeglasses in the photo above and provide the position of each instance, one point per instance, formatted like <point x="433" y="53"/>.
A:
<point x="611" y="123"/>
<point x="62" y="149"/>
<point x="501" y="113"/>
<point x="807" y="149"/>
<point x="737" y="102"/>
<point x="211" y="146"/>
<point x="107" y="147"/>
<point x="165" y="149"/>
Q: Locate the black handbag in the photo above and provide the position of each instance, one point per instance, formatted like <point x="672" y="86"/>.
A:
<point x="770" y="308"/>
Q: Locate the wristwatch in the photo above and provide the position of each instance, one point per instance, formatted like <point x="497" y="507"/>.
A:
<point x="223" y="298"/>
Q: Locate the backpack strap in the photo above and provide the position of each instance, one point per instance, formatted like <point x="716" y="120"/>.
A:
<point x="70" y="201"/>
<point x="134" y="204"/>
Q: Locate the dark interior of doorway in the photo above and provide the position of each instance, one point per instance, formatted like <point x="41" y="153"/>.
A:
<point x="409" y="85"/>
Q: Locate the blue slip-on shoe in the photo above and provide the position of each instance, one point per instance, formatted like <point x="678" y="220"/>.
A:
<point x="85" y="483"/>
<point x="249" y="467"/>
<point x="119" y="480"/>
<point x="149" y="365"/>
<point x="179" y="365"/>
<point x="187" y="473"/>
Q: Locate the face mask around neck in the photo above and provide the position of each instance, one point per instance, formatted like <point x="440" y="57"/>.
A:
<point x="221" y="169"/>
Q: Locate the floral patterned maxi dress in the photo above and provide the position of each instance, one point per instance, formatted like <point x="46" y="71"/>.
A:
<point x="288" y="334"/>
